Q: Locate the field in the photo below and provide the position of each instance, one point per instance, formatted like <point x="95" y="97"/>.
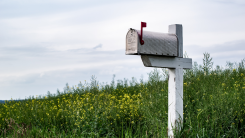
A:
<point x="214" y="106"/>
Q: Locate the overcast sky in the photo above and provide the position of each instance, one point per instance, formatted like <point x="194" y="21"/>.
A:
<point x="45" y="44"/>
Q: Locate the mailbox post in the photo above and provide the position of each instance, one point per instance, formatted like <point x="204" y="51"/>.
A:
<point x="163" y="50"/>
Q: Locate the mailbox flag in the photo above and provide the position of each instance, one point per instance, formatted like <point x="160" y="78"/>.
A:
<point x="143" y="24"/>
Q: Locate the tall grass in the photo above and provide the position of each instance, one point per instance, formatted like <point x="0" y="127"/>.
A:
<point x="214" y="106"/>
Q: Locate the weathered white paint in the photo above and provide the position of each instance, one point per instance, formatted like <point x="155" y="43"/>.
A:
<point x="175" y="87"/>
<point x="166" y="62"/>
<point x="175" y="100"/>
<point x="177" y="30"/>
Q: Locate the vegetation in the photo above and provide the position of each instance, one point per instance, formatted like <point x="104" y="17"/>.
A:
<point x="214" y="106"/>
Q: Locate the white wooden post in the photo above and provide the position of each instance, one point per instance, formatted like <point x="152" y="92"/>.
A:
<point x="175" y="100"/>
<point x="175" y="87"/>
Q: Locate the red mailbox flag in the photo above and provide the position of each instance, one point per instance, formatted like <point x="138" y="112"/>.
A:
<point x="143" y="24"/>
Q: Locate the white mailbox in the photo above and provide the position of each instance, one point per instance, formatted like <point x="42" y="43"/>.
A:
<point x="155" y="43"/>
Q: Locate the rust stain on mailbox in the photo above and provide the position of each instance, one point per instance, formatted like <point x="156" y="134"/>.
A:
<point x="154" y="43"/>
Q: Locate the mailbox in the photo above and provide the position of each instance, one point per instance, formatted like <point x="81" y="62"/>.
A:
<point x="154" y="43"/>
<point x="163" y="50"/>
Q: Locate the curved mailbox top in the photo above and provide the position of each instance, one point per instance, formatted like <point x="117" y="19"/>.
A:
<point x="154" y="43"/>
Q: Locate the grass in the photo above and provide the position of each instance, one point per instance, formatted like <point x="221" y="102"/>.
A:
<point x="214" y="106"/>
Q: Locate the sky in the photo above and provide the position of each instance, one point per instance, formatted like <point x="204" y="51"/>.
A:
<point x="45" y="44"/>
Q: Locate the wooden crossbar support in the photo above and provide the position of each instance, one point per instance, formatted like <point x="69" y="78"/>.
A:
<point x="166" y="62"/>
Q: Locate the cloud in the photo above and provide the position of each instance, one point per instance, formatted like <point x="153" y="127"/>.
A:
<point x="233" y="51"/>
<point x="98" y="46"/>
<point x="84" y="24"/>
<point x="52" y="78"/>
